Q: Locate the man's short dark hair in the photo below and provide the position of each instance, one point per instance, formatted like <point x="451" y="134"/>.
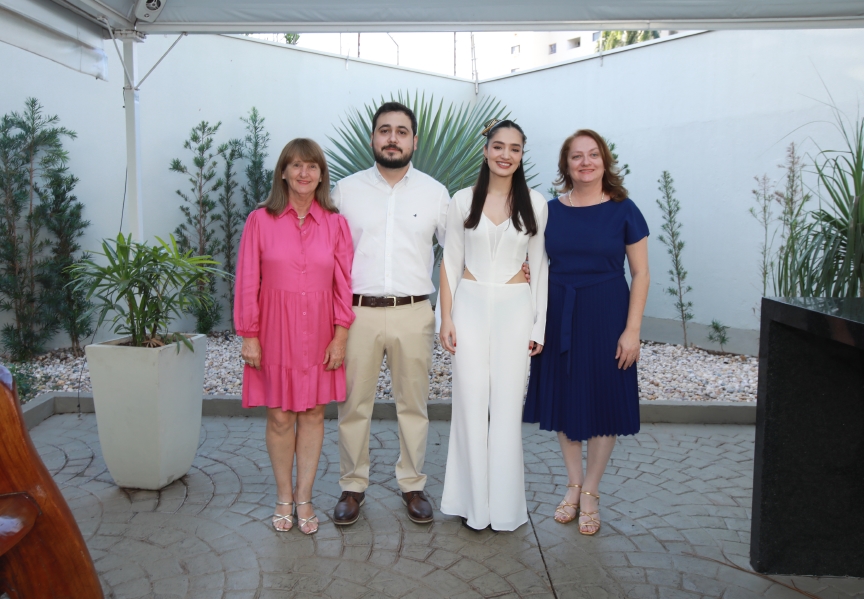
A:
<point x="395" y="107"/>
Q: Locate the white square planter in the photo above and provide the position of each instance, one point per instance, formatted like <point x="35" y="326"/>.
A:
<point x="148" y="409"/>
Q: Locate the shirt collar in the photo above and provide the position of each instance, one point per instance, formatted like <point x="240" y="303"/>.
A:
<point x="376" y="175"/>
<point x="315" y="211"/>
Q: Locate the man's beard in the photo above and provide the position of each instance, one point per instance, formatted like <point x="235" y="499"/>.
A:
<point x="395" y="162"/>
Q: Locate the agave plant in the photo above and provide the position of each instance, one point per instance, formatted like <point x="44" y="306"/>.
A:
<point x="829" y="259"/>
<point x="449" y="147"/>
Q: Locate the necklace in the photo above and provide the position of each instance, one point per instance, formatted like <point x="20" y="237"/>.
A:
<point x="569" y="199"/>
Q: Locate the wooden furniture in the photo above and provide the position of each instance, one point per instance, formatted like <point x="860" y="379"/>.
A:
<point x="42" y="552"/>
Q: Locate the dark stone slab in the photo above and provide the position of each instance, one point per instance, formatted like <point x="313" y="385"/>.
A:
<point x="808" y="487"/>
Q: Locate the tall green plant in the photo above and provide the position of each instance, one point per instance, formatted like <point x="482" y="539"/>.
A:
<point x="198" y="232"/>
<point x="31" y="150"/>
<point x="63" y="217"/>
<point x="258" y="178"/>
<point x="231" y="223"/>
<point x="837" y="234"/>
<point x="671" y="238"/>
<point x="790" y="271"/>
<point x="763" y="197"/>
<point x="145" y="287"/>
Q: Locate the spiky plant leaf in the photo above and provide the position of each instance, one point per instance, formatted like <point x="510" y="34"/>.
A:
<point x="449" y="147"/>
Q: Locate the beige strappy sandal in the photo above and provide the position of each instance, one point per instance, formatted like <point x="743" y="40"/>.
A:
<point x="592" y="521"/>
<point x="301" y="522"/>
<point x="561" y="509"/>
<point x="289" y="517"/>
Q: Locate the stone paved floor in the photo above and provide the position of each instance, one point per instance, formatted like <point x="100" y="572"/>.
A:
<point x="671" y="494"/>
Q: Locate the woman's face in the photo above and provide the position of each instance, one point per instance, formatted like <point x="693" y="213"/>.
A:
<point x="504" y="152"/>
<point x="302" y="177"/>
<point x="584" y="161"/>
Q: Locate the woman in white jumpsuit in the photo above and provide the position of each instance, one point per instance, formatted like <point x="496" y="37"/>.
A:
<point x="492" y="320"/>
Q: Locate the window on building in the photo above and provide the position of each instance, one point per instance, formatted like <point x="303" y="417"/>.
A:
<point x="514" y="50"/>
<point x="596" y="36"/>
<point x="553" y="48"/>
<point x="576" y="42"/>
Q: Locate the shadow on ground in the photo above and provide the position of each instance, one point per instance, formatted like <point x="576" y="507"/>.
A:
<point x="673" y="495"/>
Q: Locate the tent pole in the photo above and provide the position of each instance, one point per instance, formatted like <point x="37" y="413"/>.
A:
<point x="135" y="210"/>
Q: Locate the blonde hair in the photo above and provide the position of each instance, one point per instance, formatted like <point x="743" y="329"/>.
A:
<point x="613" y="182"/>
<point x="308" y="151"/>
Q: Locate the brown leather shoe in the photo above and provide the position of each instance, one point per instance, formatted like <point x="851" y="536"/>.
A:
<point x="348" y="508"/>
<point x="419" y="508"/>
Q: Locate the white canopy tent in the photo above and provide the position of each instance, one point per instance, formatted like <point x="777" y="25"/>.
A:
<point x="71" y="32"/>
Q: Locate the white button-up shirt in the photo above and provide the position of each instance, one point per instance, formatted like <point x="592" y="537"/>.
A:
<point x="392" y="229"/>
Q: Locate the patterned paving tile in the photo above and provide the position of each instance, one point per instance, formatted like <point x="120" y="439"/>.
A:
<point x="673" y="496"/>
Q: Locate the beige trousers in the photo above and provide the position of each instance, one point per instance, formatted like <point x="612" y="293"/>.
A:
<point x="405" y="335"/>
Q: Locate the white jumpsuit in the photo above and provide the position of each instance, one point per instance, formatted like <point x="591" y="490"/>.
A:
<point x="485" y="477"/>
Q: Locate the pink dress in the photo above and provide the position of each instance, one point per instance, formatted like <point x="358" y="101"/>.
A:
<point x="293" y="285"/>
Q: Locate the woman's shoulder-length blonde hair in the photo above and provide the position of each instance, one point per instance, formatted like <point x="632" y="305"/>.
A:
<point x="306" y="150"/>
<point x="613" y="182"/>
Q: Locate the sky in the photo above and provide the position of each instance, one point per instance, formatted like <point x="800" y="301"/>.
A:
<point x="432" y="52"/>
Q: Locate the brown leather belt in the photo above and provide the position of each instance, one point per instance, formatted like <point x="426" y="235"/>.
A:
<point x="368" y="301"/>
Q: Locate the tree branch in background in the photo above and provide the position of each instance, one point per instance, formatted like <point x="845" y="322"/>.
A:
<point x="198" y="232"/>
<point x="669" y="207"/>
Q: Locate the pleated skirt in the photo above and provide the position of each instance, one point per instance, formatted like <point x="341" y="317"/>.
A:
<point x="577" y="387"/>
<point x="484" y="481"/>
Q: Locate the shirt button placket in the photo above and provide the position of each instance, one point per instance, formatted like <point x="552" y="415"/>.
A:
<point x="304" y="306"/>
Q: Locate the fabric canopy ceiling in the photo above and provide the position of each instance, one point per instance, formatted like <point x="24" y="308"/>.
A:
<point x="41" y="27"/>
<point x="264" y="16"/>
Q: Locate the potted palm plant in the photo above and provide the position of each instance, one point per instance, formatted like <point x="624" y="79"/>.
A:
<point x="147" y="384"/>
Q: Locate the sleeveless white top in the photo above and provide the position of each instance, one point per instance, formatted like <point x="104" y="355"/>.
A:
<point x="495" y="254"/>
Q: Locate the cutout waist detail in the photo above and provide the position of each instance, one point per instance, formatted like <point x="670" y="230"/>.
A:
<point x="516" y="279"/>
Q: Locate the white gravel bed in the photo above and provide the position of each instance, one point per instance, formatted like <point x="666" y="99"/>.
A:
<point x="666" y="372"/>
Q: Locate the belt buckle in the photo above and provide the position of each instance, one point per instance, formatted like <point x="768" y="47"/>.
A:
<point x="389" y="297"/>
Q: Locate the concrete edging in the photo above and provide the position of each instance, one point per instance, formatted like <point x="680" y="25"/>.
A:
<point x="672" y="412"/>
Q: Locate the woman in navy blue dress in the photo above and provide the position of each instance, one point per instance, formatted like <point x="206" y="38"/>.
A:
<point x="584" y="383"/>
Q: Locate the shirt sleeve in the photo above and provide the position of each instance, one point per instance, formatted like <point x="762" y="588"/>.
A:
<point x="538" y="263"/>
<point x="343" y="315"/>
<point x="443" y="207"/>
<point x="635" y="227"/>
<point x="248" y="279"/>
<point x="454" y="249"/>
<point x="336" y="196"/>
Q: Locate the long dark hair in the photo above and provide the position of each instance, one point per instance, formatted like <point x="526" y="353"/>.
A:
<point x="519" y="201"/>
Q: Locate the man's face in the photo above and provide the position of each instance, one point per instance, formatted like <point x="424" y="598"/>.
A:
<point x="393" y="141"/>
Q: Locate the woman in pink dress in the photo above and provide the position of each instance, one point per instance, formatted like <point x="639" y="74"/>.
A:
<point x="293" y="309"/>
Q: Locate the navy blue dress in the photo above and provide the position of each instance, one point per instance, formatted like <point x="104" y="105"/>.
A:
<point x="575" y="384"/>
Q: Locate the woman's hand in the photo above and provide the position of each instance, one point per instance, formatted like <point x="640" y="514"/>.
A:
<point x="534" y="348"/>
<point x="251" y="352"/>
<point x="448" y="335"/>
<point x="628" y="349"/>
<point x="334" y="355"/>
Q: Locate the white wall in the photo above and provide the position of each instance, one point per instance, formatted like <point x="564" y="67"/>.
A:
<point x="714" y="109"/>
<point x="300" y="93"/>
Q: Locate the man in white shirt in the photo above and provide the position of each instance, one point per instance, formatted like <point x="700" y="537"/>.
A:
<point x="393" y="211"/>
